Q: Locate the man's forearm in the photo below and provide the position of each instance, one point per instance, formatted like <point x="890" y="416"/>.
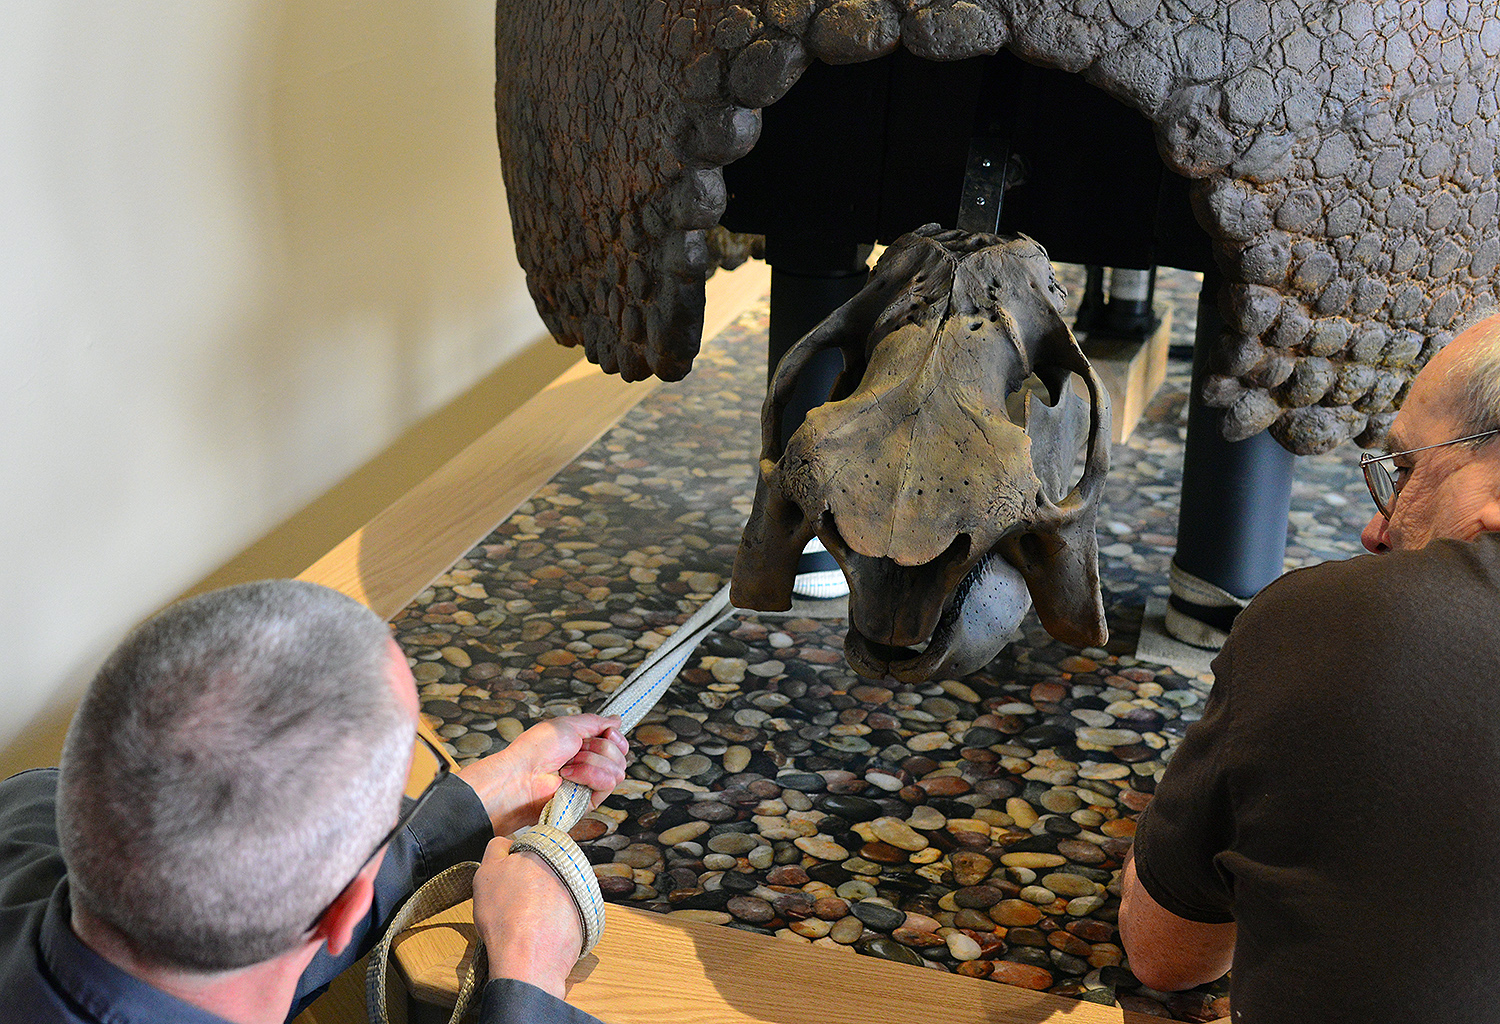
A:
<point x="1168" y="952"/>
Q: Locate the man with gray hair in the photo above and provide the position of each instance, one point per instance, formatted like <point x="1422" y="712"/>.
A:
<point x="218" y="844"/>
<point x="1327" y="828"/>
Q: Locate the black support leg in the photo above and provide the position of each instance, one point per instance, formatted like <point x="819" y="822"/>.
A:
<point x="809" y="280"/>
<point x="1236" y="497"/>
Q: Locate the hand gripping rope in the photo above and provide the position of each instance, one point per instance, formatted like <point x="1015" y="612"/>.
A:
<point x="549" y="838"/>
<point x="639" y="693"/>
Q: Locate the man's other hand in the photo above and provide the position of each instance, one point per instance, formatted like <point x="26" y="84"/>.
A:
<point x="526" y="919"/>
<point x="518" y="781"/>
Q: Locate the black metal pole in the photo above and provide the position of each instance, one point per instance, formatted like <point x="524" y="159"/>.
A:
<point x="1091" y="305"/>
<point x="1129" y="312"/>
<point x="809" y="280"/>
<point x="1236" y="496"/>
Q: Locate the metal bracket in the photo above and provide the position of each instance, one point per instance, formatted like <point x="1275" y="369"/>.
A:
<point x="992" y="168"/>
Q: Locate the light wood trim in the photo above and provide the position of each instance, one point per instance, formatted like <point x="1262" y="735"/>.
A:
<point x="344" y="1002"/>
<point x="1132" y="370"/>
<point x="390" y="559"/>
<point x="650" y="968"/>
<point x="433" y="955"/>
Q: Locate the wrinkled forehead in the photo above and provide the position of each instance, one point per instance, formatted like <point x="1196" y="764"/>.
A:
<point x="1428" y="415"/>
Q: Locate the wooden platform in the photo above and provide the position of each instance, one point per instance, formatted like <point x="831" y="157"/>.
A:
<point x="1132" y="369"/>
<point x="648" y="967"/>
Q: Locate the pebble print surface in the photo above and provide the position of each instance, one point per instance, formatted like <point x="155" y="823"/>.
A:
<point x="975" y="826"/>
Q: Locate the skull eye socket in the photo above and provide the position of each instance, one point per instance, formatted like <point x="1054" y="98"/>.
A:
<point x="1036" y="549"/>
<point x="1046" y="435"/>
<point x="1015" y="400"/>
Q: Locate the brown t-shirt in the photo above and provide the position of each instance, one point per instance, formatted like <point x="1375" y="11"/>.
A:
<point x="1340" y="799"/>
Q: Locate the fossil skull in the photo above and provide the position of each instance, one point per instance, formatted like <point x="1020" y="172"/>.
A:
<point x="938" y="472"/>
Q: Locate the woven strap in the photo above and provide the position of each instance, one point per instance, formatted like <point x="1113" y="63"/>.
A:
<point x="636" y="696"/>
<point x="444" y="890"/>
<point x="572" y="867"/>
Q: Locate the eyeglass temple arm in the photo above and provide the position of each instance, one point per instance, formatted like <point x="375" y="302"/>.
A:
<point x="1366" y="457"/>
<point x="426" y="732"/>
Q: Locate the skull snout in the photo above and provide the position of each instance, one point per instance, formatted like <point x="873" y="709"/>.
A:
<point x="900" y="605"/>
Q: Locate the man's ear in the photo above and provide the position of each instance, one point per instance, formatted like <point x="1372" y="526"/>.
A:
<point x="1489" y="512"/>
<point x="336" y="926"/>
<point x="1489" y="516"/>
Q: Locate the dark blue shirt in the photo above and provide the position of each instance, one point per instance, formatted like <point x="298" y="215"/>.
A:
<point x="49" y="976"/>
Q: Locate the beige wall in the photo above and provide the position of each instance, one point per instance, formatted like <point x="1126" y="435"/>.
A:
<point x="256" y="278"/>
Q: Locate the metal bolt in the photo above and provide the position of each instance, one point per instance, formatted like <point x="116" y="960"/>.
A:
<point x="979" y="200"/>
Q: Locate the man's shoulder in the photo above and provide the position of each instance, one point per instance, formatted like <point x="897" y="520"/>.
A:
<point x="22" y="981"/>
<point x="1399" y="615"/>
<point x="1315" y="598"/>
<point x="31" y="861"/>
<point x="22" y="985"/>
<point x="30" y="878"/>
<point x="28" y="808"/>
<point x="1411" y="581"/>
<point x="29" y="781"/>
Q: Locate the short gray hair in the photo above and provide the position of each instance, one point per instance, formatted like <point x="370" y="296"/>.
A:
<point x="1472" y="383"/>
<point x="234" y="761"/>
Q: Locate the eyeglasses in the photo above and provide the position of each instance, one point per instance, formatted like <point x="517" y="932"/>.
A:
<point x="444" y="768"/>
<point x="1380" y="470"/>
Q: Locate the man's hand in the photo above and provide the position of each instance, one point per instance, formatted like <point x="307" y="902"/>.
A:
<point x="516" y="783"/>
<point x="526" y="919"/>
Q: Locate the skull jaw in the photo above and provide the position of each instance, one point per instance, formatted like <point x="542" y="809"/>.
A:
<point x="896" y="605"/>
<point x="980" y="617"/>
